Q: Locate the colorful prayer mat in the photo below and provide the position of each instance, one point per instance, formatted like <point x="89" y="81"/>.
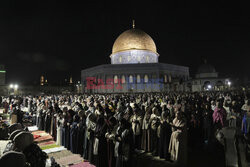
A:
<point x="32" y="128"/>
<point x="41" y="133"/>
<point x="82" y="164"/>
<point x="49" y="146"/>
<point x="36" y="136"/>
<point x="46" y="143"/>
<point x="43" y="138"/>
<point x="60" y="154"/>
<point x="51" y="150"/>
<point x="72" y="159"/>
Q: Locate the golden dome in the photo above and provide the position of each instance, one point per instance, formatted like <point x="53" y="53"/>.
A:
<point x="134" y="39"/>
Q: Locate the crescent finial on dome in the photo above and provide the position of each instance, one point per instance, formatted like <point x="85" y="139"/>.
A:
<point x="133" y="23"/>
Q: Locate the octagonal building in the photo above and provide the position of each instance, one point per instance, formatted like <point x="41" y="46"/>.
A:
<point x="134" y="68"/>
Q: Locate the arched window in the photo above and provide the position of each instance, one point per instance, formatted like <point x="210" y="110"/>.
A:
<point x="138" y="79"/>
<point x="139" y="58"/>
<point x="169" y="78"/>
<point x="147" y="59"/>
<point x="146" y="78"/>
<point x="165" y="78"/>
<point x="120" y="59"/>
<point x="131" y="79"/>
<point x="129" y="58"/>
<point x="115" y="79"/>
<point x="123" y="79"/>
<point x="207" y="85"/>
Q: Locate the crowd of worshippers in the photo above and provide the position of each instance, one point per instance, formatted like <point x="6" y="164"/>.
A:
<point x="108" y="130"/>
<point x="23" y="151"/>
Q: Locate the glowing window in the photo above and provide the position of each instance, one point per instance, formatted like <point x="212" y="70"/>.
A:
<point x="123" y="79"/>
<point x="169" y="78"/>
<point x="129" y="58"/>
<point x="146" y="78"/>
<point x="165" y="78"/>
<point x="115" y="79"/>
<point x="139" y="58"/>
<point x="120" y="59"/>
<point x="138" y="79"/>
<point x="130" y="79"/>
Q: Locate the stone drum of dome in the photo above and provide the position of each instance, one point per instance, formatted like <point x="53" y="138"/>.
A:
<point x="134" y="46"/>
<point x="134" y="56"/>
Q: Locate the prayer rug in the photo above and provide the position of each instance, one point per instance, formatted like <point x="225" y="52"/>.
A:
<point x="36" y="136"/>
<point x="41" y="133"/>
<point x="51" y="150"/>
<point x="46" y="143"/>
<point x="32" y="128"/>
<point x="82" y="164"/>
<point x="49" y="146"/>
<point x="71" y="159"/>
<point x="43" y="139"/>
<point x="60" y="154"/>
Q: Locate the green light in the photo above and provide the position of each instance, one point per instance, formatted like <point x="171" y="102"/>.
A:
<point x="2" y="71"/>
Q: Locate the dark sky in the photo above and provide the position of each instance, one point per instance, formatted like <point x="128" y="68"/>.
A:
<point x="58" y="39"/>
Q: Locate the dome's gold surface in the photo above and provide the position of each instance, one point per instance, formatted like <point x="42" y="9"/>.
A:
<point x="134" y="39"/>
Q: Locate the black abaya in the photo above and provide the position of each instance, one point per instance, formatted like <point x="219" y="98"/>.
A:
<point x="165" y="134"/>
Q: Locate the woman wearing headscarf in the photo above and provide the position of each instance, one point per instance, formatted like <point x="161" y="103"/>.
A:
<point x="73" y="134"/>
<point x="81" y="132"/>
<point x="110" y="136"/>
<point x="246" y="118"/>
<point x="128" y="112"/>
<point x="145" y="144"/>
<point x="136" y="121"/>
<point x="178" y="141"/>
<point x="123" y="140"/>
<point x="219" y="116"/>
<point x="207" y="123"/>
<point x="100" y="143"/>
<point x="91" y="127"/>
<point x="165" y="134"/>
<point x="86" y="135"/>
<point x="13" y="158"/>
<point x="60" y="123"/>
<point x="154" y="122"/>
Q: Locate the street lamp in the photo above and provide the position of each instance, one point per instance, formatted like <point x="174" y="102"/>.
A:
<point x="11" y="86"/>
<point x="229" y="84"/>
<point x="16" y="86"/>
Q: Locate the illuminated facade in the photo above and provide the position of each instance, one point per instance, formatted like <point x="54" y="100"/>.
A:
<point x="207" y="78"/>
<point x="134" y="68"/>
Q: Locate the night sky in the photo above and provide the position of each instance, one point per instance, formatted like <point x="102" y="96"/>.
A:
<point x="58" y="39"/>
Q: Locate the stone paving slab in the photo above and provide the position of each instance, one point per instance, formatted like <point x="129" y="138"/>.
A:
<point x="230" y="147"/>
